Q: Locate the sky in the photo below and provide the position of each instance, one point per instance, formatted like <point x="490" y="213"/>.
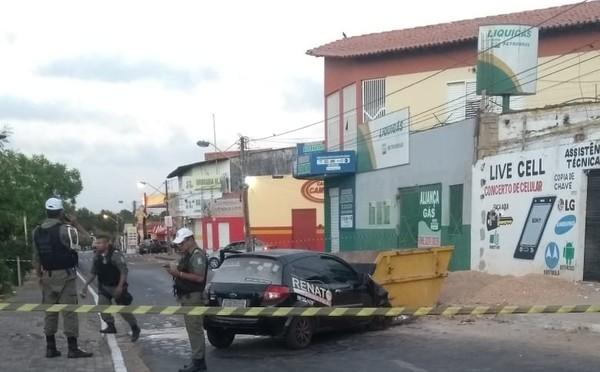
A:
<point x="122" y="90"/>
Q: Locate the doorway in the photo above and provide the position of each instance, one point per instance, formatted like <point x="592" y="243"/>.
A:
<point x="591" y="262"/>
<point x="304" y="228"/>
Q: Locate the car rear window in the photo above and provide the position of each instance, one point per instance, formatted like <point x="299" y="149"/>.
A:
<point x="249" y="270"/>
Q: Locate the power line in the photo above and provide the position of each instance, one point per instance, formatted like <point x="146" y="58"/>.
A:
<point x="452" y="109"/>
<point x="456" y="64"/>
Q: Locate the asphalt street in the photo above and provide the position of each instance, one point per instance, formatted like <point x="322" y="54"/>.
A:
<point x="429" y="344"/>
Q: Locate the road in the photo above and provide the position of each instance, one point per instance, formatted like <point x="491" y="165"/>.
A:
<point x="426" y="345"/>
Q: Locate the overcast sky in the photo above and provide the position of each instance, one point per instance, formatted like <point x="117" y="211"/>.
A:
<point x="122" y="90"/>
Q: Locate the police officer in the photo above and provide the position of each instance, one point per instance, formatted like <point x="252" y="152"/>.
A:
<point x="54" y="261"/>
<point x="110" y="268"/>
<point x="190" y="279"/>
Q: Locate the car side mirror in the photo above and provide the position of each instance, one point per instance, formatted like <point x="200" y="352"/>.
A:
<point x="363" y="280"/>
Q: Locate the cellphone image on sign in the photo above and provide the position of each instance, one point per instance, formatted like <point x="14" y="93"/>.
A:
<point x="534" y="227"/>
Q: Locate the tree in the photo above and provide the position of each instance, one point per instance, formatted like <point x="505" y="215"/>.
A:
<point x="127" y="216"/>
<point x="25" y="184"/>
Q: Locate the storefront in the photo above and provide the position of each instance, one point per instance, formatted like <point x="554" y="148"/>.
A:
<point x="286" y="212"/>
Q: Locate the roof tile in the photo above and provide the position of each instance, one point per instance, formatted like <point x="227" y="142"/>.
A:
<point x="566" y="16"/>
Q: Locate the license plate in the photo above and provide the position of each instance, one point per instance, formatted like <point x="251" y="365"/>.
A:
<point x="233" y="303"/>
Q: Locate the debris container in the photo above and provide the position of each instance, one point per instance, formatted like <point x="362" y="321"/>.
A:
<point x="413" y="277"/>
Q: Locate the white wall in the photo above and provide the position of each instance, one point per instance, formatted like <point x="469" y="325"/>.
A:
<point x="507" y="185"/>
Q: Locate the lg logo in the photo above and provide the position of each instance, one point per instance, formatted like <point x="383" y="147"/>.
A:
<point x="567" y="205"/>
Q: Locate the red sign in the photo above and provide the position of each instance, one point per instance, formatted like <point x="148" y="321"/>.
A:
<point x="314" y="191"/>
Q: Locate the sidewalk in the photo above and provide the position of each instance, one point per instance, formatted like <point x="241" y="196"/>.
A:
<point x="23" y="342"/>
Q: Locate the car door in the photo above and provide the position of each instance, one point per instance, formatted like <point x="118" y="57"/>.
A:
<point x="310" y="285"/>
<point x="346" y="286"/>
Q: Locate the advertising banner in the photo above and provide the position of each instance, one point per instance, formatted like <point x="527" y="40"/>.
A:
<point x="507" y="60"/>
<point x="384" y="142"/>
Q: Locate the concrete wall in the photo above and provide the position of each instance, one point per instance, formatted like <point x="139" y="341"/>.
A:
<point x="264" y="163"/>
<point x="443" y="155"/>
<point x="542" y="155"/>
<point x="423" y="99"/>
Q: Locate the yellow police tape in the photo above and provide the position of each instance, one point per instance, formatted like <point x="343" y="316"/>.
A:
<point x="302" y="311"/>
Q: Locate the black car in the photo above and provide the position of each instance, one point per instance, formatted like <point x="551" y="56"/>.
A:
<point x="288" y="278"/>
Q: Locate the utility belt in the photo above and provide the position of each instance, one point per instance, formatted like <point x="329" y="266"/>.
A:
<point x="69" y="271"/>
<point x="184" y="290"/>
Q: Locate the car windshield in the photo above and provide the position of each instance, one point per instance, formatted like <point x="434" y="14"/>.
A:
<point x="249" y="270"/>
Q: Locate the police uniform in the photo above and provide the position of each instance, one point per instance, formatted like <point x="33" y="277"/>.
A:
<point x="52" y="252"/>
<point x="192" y="294"/>
<point x="109" y="268"/>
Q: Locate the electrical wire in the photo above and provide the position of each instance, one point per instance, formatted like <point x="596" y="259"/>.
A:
<point x="457" y="64"/>
<point x="454" y="108"/>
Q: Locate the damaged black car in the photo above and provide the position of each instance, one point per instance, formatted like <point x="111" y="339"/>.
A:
<point x="289" y="278"/>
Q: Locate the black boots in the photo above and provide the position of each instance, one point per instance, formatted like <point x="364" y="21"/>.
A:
<point x="51" y="351"/>
<point x="198" y="365"/>
<point x="135" y="333"/>
<point x="110" y="329"/>
<point x="74" y="351"/>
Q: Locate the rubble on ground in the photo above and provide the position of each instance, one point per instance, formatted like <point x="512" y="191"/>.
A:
<point x="477" y="288"/>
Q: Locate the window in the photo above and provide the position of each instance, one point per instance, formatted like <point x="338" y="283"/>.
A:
<point x="456" y="209"/>
<point x="311" y="269"/>
<point x="372" y="209"/>
<point x="462" y="102"/>
<point x="339" y="272"/>
<point x="333" y="122"/>
<point x="373" y="99"/>
<point x="249" y="270"/>
<point x="380" y="212"/>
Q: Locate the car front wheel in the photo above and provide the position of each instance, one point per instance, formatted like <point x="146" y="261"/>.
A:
<point x="220" y="338"/>
<point x="213" y="263"/>
<point x="299" y="333"/>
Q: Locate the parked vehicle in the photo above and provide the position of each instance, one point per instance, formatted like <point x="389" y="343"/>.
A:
<point x="288" y="277"/>
<point x="215" y="258"/>
<point x="153" y="246"/>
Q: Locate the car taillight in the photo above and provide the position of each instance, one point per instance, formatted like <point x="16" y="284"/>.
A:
<point x="275" y="294"/>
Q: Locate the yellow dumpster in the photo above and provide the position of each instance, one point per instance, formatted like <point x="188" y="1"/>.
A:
<point x="413" y="277"/>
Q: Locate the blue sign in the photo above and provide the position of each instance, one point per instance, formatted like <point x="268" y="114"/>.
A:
<point x="323" y="164"/>
<point x="565" y="224"/>
<point x="552" y="255"/>
<point x="337" y="162"/>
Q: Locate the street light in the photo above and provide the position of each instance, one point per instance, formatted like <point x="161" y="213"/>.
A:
<point x="115" y="219"/>
<point x="142" y="184"/>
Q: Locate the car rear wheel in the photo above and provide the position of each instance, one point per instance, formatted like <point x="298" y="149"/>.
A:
<point x="299" y="333"/>
<point x="213" y="263"/>
<point x="220" y="338"/>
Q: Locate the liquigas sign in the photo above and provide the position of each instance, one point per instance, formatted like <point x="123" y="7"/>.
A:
<point x="507" y="60"/>
<point x="384" y="142"/>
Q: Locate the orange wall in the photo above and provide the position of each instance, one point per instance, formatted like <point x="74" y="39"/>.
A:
<point x="340" y="72"/>
<point x="271" y="201"/>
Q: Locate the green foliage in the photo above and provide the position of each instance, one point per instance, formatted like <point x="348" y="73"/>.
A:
<point x="25" y="184"/>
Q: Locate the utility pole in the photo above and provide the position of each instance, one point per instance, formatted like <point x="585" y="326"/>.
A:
<point x="144" y="228"/>
<point x="247" y="235"/>
<point x="167" y="197"/>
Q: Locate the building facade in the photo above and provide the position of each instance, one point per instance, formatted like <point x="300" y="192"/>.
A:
<point x="405" y="104"/>
<point x="536" y="193"/>
<point x="209" y="196"/>
<point x="286" y="212"/>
